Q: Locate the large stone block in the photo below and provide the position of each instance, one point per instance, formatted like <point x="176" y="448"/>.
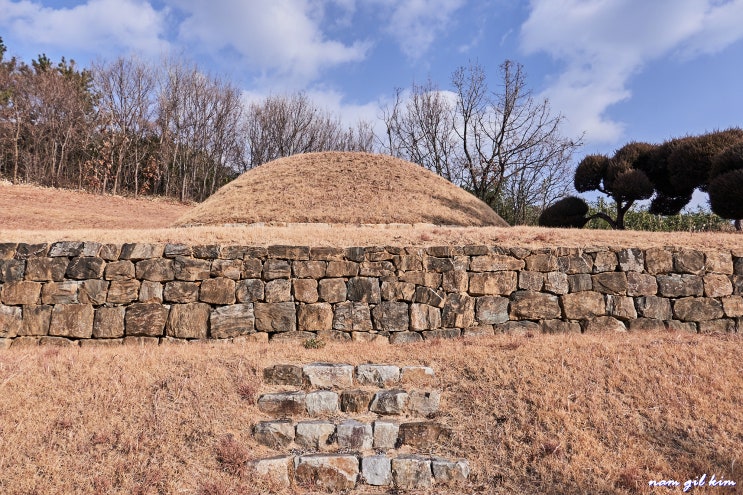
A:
<point x="351" y="434"/>
<point x="110" y="252"/>
<point x="206" y="251"/>
<point x="379" y="375"/>
<point x="36" y="320"/>
<point x="250" y="290"/>
<point x="689" y="261"/>
<point x="583" y="305"/>
<point x="23" y="292"/>
<point x="252" y="268"/>
<point x="181" y="292"/>
<point x="46" y="269"/>
<point x="411" y="472"/>
<point x="733" y="306"/>
<point x="315" y="435"/>
<point x="556" y="283"/>
<point x="232" y="268"/>
<point x="11" y="323"/>
<point x="309" y="269"/>
<point x="604" y="261"/>
<point x="604" y="324"/>
<point x="717" y="326"/>
<point x="172" y="250"/>
<point x="658" y="308"/>
<point x="390" y="402"/>
<point x="622" y="307"/>
<point x="26" y="251"/>
<point x="188" y="321"/>
<point x="496" y="263"/>
<point x="66" y="249"/>
<point x="284" y="374"/>
<point x="274" y="434"/>
<point x="85" y="267"/>
<point x="559" y="326"/>
<point x="149" y="292"/>
<point x="145" y="319"/>
<point x="641" y="284"/>
<point x="12" y="270"/>
<point x="230" y="321"/>
<point x="542" y="262"/>
<point x="534" y="306"/>
<point x="455" y="281"/>
<point x="279" y="290"/>
<point x="7" y="250"/>
<point x="217" y="291"/>
<point x="94" y="292"/>
<point x="377" y="470"/>
<point x="364" y="289"/>
<point x="275" y="317"/>
<point x="424" y="403"/>
<point x="426" y="295"/>
<point x="328" y="375"/>
<point x="119" y="270"/>
<point x="322" y="402"/>
<point x="717" y="285"/>
<point x="190" y="269"/>
<point x="574" y="264"/>
<point x="391" y="316"/>
<point x="108" y="323"/>
<point x="338" y="269"/>
<point x="122" y="291"/>
<point x="385" y="434"/>
<point x="610" y="283"/>
<point x="533" y="281"/>
<point x="274" y="269"/>
<point x="314" y="317"/>
<point x="680" y="285"/>
<point x="424" y="317"/>
<point x="289" y="252"/>
<point x="72" y="320"/>
<point x="580" y="282"/>
<point x="658" y="261"/>
<point x="305" y="290"/>
<point x="351" y="316"/>
<point x="450" y="472"/>
<point x="492" y="283"/>
<point x="333" y="473"/>
<point x="719" y="262"/>
<point x="491" y="310"/>
<point x="283" y="403"/>
<point x="646" y="325"/>
<point x="355" y="401"/>
<point x="155" y="270"/>
<point x="697" y="309"/>
<point x="631" y="260"/>
<point x="376" y="269"/>
<point x="405" y="337"/>
<point x="141" y="251"/>
<point x="459" y="311"/>
<point x="332" y="290"/>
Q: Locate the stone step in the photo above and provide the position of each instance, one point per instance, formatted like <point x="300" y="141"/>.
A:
<point x="385" y="402"/>
<point x="337" y="472"/>
<point x="332" y="376"/>
<point x="325" y="436"/>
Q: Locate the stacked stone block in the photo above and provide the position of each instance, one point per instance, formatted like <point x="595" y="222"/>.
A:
<point x="336" y="425"/>
<point x="92" y="293"/>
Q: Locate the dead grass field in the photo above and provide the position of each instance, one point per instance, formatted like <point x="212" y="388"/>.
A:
<point x="600" y="414"/>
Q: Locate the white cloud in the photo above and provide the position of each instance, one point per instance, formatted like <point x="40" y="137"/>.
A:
<point x="282" y="38"/>
<point x="92" y="26"/>
<point x="603" y="43"/>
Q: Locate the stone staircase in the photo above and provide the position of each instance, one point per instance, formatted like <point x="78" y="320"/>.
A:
<point x="338" y="426"/>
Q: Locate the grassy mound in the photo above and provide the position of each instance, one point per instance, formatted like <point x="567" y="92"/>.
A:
<point x="341" y="188"/>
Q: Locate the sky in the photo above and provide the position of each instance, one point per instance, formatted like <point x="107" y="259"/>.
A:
<point x="617" y="70"/>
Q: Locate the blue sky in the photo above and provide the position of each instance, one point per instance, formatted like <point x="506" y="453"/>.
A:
<point x="618" y="70"/>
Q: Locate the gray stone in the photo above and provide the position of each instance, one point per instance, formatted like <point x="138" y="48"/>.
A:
<point x="85" y="267"/>
<point x="364" y="289"/>
<point x="321" y="402"/>
<point x="533" y="281"/>
<point x="697" y="309"/>
<point x="535" y="305"/>
<point x="275" y="317"/>
<point x="275" y="269"/>
<point x="491" y="310"/>
<point x="391" y="316"/>
<point x="717" y="326"/>
<point x="315" y="435"/>
<point x="646" y="325"/>
<point x="284" y="374"/>
<point x="411" y="472"/>
<point x="524" y="327"/>
<point x="717" y="285"/>
<point x="556" y="283"/>
<point x="315" y="317"/>
<point x="603" y="324"/>
<point x="658" y="308"/>
<point x="217" y="291"/>
<point x="574" y="264"/>
<point x="22" y="292"/>
<point x="46" y="269"/>
<point x="641" y="284"/>
<point x="181" y="292"/>
<point x="689" y="261"/>
<point x="376" y="269"/>
<point x="309" y="269"/>
<point x="478" y="331"/>
<point x="604" y="261"/>
<point x="405" y="337"/>
<point x="283" y="403"/>
<point x="459" y="311"/>
<point x="424" y="403"/>
<point x="66" y="248"/>
<point x="279" y="290"/>
<point x="718" y="262"/>
<point x="426" y="295"/>
<point x="149" y="292"/>
<point x="305" y="290"/>
<point x="145" y="319"/>
<point x="206" y="251"/>
<point x="332" y="290"/>
<point x="36" y="320"/>
<point x="580" y="282"/>
<point x="377" y="470"/>
<point x="496" y="263"/>
<point x="12" y="270"/>
<point x="658" y="261"/>
<point x="379" y="375"/>
<point x="274" y="434"/>
<point x="26" y="251"/>
<point x="108" y="323"/>
<point x="7" y="250"/>
<point x="190" y="269"/>
<point x="289" y="252"/>
<point x="11" y="323"/>
<point x="621" y="307"/>
<point x="542" y="262"/>
<point x="110" y="252"/>
<point x="351" y="434"/>
<point x="230" y="321"/>
<point x="188" y="321"/>
<point x="492" y="283"/>
<point x="610" y="283"/>
<point x="559" y="326"/>
<point x="583" y="305"/>
<point x="351" y="316"/>
<point x="172" y="250"/>
<point x="141" y="251"/>
<point x="424" y="317"/>
<point x="631" y="260"/>
<point x="355" y="401"/>
<point x="93" y="292"/>
<point x="337" y="269"/>
<point x="390" y="402"/>
<point x="450" y="472"/>
<point x="122" y="291"/>
<point x="681" y="326"/>
<point x="385" y="434"/>
<point x="250" y="290"/>
<point x="325" y="253"/>
<point x="275" y="470"/>
<point x="72" y="320"/>
<point x="327" y="375"/>
<point x="232" y="268"/>
<point x="680" y="285"/>
<point x="332" y="473"/>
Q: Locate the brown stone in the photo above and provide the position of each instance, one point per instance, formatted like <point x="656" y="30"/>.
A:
<point x="305" y="290"/>
<point x="150" y="292"/>
<point x="188" y="321"/>
<point x="541" y="263"/>
<point x="93" y="292"/>
<point x="85" y="267"/>
<point x="283" y="403"/>
<point x="604" y="261"/>
<point x="458" y="311"/>
<point x="206" y="251"/>
<point x="697" y="309"/>
<point x="621" y="307"/>
<point x="580" y="282"/>
<point x="252" y="268"/>
<point x="309" y="269"/>
<point x="390" y="402"/>
<point x="492" y="283"/>
<point x="450" y="472"/>
<point x="411" y="472"/>
<point x="23" y="292"/>
<point x="11" y="323"/>
<point x="141" y="251"/>
<point x="646" y="325"/>
<point x="275" y="317"/>
<point x="332" y="473"/>
<point x="424" y="403"/>
<point x="66" y="249"/>
<point x="610" y="283"/>
<point x="145" y="319"/>
<point x="350" y="316"/>
<point x="575" y="264"/>
<point x="719" y="262"/>
<point x="717" y="326"/>
<point x="274" y="269"/>
<point x="717" y="285"/>
<point x="524" y="327"/>
<point x="559" y="326"/>
<point x="534" y="306"/>
<point x="60" y="292"/>
<point x="325" y="253"/>
<point x="658" y="261"/>
<point x="495" y="263"/>
<point x="688" y="261"/>
<point x="631" y="260"/>
<point x="424" y="435"/>
<point x="337" y="269"/>
<point x="314" y="317"/>
<point x="583" y="305"/>
<point x="191" y="269"/>
<point x="279" y="290"/>
<point x="455" y="281"/>
<point x="556" y="283"/>
<point x="681" y="326"/>
<point x="217" y="291"/>
<point x="108" y="323"/>
<point x="250" y="290"/>
<point x="36" y="320"/>
<point x="122" y="291"/>
<point x="181" y="292"/>
<point x="332" y="290"/>
<point x="12" y="270"/>
<point x="733" y="306"/>
<point x="641" y="284"/>
<point x="658" y="308"/>
<point x="110" y="252"/>
<point x="173" y="249"/>
<point x="376" y="269"/>
<point x="426" y="295"/>
<point x="230" y="321"/>
<point x="46" y="269"/>
<point x="7" y="250"/>
<point x="364" y="289"/>
<point x="391" y="316"/>
<point x="227" y="268"/>
<point x="72" y="320"/>
<point x="532" y="281"/>
<point x="289" y="252"/>
<point x="491" y="310"/>
<point x="394" y="291"/>
<point x="284" y="374"/>
<point x="274" y="434"/>
<point x="604" y="324"/>
<point x="424" y="317"/>
<point x="26" y="251"/>
<point x="155" y="270"/>
<point x="353" y="435"/>
<point x="680" y="285"/>
<point x="119" y="270"/>
<point x="405" y="337"/>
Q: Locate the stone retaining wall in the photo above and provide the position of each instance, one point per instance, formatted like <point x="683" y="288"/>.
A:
<point x="92" y="293"/>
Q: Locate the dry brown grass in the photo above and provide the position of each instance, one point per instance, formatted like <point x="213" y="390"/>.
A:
<point x="338" y="187"/>
<point x="544" y="414"/>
